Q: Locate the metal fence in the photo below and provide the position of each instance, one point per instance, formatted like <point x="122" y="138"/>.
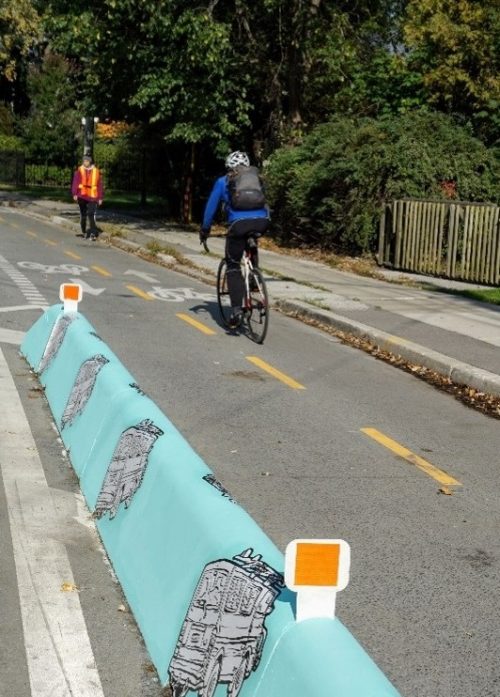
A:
<point x="453" y="239"/>
<point x="143" y="175"/>
<point x="12" y="167"/>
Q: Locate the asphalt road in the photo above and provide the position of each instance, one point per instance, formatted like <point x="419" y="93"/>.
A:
<point x="339" y="445"/>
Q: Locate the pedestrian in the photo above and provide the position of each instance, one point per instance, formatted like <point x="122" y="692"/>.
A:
<point x="87" y="190"/>
<point x="241" y="192"/>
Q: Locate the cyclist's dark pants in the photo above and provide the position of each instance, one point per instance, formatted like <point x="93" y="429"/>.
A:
<point x="87" y="209"/>
<point x="236" y="241"/>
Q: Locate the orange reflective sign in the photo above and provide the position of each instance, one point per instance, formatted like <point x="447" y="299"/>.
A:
<point x="317" y="564"/>
<point x="70" y="292"/>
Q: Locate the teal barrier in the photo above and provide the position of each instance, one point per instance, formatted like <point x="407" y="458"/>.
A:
<point x="202" y="579"/>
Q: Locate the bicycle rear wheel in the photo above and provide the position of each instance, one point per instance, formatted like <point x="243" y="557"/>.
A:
<point x="223" y="299"/>
<point x="257" y="307"/>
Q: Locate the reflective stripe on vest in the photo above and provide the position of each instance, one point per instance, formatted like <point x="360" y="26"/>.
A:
<point x="89" y="179"/>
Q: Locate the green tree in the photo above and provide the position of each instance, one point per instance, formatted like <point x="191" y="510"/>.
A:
<point x="229" y="71"/>
<point x="50" y="129"/>
<point x="19" y="30"/>
<point x="455" y="46"/>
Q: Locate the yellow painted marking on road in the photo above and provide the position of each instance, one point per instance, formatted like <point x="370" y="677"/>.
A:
<point x="31" y="234"/>
<point x="275" y="373"/>
<point x="103" y="272"/>
<point x="71" y="254"/>
<point x="51" y="242"/>
<point x="139" y="292"/>
<point x="194" y="323"/>
<point x="437" y="474"/>
<point x="398" y="340"/>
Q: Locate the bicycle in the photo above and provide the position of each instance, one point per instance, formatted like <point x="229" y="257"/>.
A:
<point x="255" y="316"/>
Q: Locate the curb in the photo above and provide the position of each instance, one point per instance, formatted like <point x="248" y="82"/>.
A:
<point x="457" y="371"/>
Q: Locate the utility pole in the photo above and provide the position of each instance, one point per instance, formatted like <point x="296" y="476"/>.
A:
<point x="88" y="125"/>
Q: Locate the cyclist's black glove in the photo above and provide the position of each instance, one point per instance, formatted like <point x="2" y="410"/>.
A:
<point x="204" y="235"/>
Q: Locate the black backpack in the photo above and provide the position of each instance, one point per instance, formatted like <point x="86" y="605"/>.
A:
<point x="246" y="192"/>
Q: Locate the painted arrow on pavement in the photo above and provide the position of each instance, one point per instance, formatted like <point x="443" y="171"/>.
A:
<point x="140" y="274"/>
<point x="86" y="288"/>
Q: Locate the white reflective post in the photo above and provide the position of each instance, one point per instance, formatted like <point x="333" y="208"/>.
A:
<point x="70" y="294"/>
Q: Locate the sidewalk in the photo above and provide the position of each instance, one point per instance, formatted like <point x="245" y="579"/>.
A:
<point x="452" y="335"/>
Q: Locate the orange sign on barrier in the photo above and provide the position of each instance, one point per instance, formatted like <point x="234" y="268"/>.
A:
<point x="70" y="294"/>
<point x="317" y="564"/>
<point x="316" y="570"/>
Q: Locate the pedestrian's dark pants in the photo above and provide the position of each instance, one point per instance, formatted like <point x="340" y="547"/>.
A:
<point x="87" y="210"/>
<point x="236" y="241"/>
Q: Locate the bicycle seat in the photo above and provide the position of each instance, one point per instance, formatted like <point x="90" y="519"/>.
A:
<point x="251" y="243"/>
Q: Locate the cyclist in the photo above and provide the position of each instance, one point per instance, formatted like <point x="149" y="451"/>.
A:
<point x="242" y="224"/>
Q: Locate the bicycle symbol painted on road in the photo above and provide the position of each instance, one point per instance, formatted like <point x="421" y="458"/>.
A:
<point x="177" y="295"/>
<point x="74" y="269"/>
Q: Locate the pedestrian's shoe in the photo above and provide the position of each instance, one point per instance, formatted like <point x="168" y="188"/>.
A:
<point x="235" y="319"/>
<point x="93" y="237"/>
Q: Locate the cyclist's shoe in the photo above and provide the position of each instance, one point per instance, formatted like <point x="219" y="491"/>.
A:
<point x="236" y="319"/>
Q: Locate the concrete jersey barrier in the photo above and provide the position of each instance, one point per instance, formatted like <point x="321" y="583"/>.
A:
<point x="203" y="581"/>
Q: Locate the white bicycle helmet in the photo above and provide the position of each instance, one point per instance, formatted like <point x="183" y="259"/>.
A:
<point x="237" y="158"/>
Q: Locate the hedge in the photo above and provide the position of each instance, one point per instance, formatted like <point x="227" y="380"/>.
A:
<point x="329" y="189"/>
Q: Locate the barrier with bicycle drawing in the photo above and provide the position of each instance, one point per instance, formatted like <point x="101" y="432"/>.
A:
<point x="203" y="581"/>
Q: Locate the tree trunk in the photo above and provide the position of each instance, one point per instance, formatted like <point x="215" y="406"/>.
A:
<point x="187" y="208"/>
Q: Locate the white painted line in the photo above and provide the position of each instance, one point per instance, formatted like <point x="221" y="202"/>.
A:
<point x="140" y="274"/>
<point x="16" y="276"/>
<point x="16" y="308"/>
<point x="58" y="651"/>
<point x="11" y="336"/>
<point x="87" y="288"/>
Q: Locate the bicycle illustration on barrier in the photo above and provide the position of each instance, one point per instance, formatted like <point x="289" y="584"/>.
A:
<point x="127" y="468"/>
<point x="82" y="388"/>
<point x="223" y="634"/>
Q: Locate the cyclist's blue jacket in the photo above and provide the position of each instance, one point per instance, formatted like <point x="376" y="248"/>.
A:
<point x="220" y="194"/>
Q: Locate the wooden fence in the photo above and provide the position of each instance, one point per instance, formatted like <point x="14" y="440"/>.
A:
<point x="453" y="239"/>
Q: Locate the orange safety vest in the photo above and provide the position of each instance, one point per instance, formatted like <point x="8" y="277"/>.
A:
<point x="89" y="179"/>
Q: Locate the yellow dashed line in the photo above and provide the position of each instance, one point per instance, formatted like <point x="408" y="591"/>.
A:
<point x="72" y="255"/>
<point x="51" y="242"/>
<point x="139" y="292"/>
<point x="99" y="269"/>
<point x="275" y="373"/>
<point x="437" y="474"/>
<point x="194" y="323"/>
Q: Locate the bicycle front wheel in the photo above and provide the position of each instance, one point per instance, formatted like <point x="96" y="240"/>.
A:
<point x="223" y="299"/>
<point x="257" y="307"/>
